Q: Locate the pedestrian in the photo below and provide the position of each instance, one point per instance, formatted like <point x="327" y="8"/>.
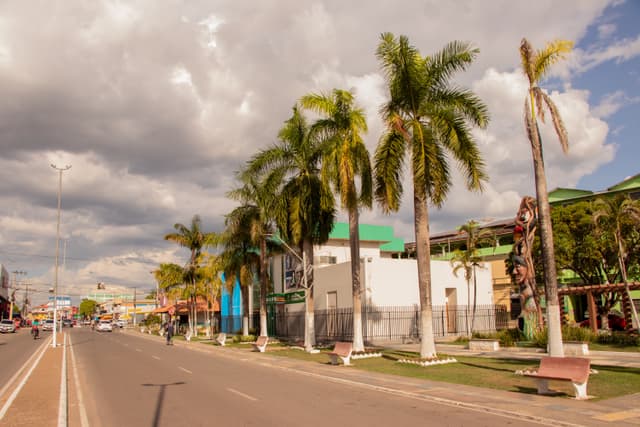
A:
<point x="169" y="331"/>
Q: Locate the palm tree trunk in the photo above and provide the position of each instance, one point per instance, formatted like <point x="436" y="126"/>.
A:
<point x="309" y="320"/>
<point x="623" y="272"/>
<point x="468" y="310"/>
<point x="475" y="298"/>
<point x="263" y="287"/>
<point x="421" y="225"/>
<point x="548" y="255"/>
<point x="354" y="242"/>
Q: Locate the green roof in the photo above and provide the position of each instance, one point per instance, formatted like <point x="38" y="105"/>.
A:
<point x="375" y="233"/>
<point x="560" y="194"/>
<point x="628" y="183"/>
<point x="395" y="245"/>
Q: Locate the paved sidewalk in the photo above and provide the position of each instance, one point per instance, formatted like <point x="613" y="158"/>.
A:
<point x="37" y="402"/>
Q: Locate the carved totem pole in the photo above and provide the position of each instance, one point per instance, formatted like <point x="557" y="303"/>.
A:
<point x="523" y="235"/>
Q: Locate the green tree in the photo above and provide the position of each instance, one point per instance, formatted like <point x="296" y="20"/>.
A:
<point x="467" y="259"/>
<point x="346" y="160"/>
<point x="87" y="308"/>
<point x="305" y="212"/>
<point x="428" y="120"/>
<point x="194" y="239"/>
<point x="617" y="214"/>
<point x="256" y="216"/>
<point x="536" y="65"/>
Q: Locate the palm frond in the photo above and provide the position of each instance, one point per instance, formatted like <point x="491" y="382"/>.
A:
<point x="558" y="124"/>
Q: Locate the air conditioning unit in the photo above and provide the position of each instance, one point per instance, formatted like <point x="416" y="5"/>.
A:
<point x="325" y="259"/>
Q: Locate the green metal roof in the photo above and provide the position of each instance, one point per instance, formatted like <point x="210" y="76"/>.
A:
<point x="629" y="183"/>
<point x="376" y="233"/>
<point x="561" y="194"/>
<point x="395" y="245"/>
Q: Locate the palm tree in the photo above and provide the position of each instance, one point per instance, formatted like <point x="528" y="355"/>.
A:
<point x="427" y="120"/>
<point x="305" y="212"/>
<point x="536" y="65"/>
<point x="194" y="239"/>
<point x="256" y="213"/>
<point x="615" y="213"/>
<point x="346" y="159"/>
<point x="467" y="260"/>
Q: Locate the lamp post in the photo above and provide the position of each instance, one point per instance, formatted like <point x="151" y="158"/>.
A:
<point x="305" y="285"/>
<point x="55" y="286"/>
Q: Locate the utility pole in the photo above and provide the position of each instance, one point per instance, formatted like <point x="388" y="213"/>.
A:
<point x="12" y="298"/>
<point x="55" y="288"/>
<point x="134" y="306"/>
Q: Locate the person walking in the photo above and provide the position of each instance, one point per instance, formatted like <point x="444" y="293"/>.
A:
<point x="169" y="331"/>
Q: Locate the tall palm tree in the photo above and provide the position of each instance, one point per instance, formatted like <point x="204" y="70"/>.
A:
<point x="615" y="213"/>
<point x="427" y="119"/>
<point x="258" y="203"/>
<point x="467" y="259"/>
<point x="346" y="159"/>
<point x="536" y="65"/>
<point x="305" y="213"/>
<point x="194" y="239"/>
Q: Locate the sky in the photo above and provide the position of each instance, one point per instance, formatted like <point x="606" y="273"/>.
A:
<point x="155" y="105"/>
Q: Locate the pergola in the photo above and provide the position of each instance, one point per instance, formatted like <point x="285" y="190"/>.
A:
<point x="591" y="291"/>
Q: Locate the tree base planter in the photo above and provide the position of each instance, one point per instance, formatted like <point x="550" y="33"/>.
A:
<point x="430" y="362"/>
<point x="476" y="344"/>
<point x="365" y="355"/>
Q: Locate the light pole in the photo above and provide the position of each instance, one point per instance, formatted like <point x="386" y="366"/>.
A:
<point x="307" y="337"/>
<point x="55" y="286"/>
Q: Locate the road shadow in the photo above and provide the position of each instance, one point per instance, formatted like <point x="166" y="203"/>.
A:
<point x="160" y="402"/>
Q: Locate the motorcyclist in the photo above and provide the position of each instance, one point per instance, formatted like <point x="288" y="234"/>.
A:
<point x="34" y="329"/>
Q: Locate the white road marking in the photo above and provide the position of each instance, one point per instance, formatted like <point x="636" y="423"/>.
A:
<point x="84" y="420"/>
<point x="156" y="357"/>
<point x="63" y="402"/>
<point x="137" y="349"/>
<point x="185" y="370"/>
<point x="246" y="396"/>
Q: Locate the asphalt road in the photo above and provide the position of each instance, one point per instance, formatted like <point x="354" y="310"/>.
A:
<point x="15" y="350"/>
<point x="128" y="380"/>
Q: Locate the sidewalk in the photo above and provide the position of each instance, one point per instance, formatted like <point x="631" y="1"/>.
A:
<point x="37" y="402"/>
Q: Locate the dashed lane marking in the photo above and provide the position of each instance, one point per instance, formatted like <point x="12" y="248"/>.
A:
<point x="156" y="357"/>
<point x="185" y="370"/>
<point x="239" y="393"/>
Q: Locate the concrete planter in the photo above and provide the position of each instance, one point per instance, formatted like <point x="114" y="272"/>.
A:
<point x="576" y="348"/>
<point x="476" y="344"/>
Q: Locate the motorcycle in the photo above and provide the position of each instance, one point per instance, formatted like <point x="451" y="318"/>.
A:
<point x="35" y="332"/>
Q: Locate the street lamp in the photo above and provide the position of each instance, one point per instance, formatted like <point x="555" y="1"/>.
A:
<point x="307" y="336"/>
<point x="55" y="287"/>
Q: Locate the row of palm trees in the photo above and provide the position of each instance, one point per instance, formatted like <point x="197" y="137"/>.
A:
<point x="287" y="192"/>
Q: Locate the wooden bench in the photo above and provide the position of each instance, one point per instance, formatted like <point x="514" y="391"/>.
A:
<point x="221" y="338"/>
<point x="261" y="344"/>
<point x="573" y="369"/>
<point x="341" y="350"/>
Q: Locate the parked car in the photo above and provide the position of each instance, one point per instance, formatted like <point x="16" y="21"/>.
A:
<point x="7" y="326"/>
<point x="47" y="325"/>
<point x="104" y="326"/>
<point x="67" y="323"/>
<point x="121" y="323"/>
<point x="616" y="322"/>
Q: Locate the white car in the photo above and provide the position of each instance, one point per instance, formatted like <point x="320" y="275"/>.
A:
<point x="7" y="326"/>
<point x="104" y="326"/>
<point x="47" y="325"/>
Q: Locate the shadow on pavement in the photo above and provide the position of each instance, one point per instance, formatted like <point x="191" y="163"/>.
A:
<point x="160" y="402"/>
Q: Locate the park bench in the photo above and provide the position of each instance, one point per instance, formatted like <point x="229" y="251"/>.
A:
<point x="261" y="344"/>
<point x="573" y="369"/>
<point x="221" y="338"/>
<point x="341" y="350"/>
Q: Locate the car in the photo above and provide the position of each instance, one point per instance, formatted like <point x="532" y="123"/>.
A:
<point x="67" y="323"/>
<point x="7" y="326"/>
<point x="616" y="322"/>
<point x="104" y="326"/>
<point x="47" y="325"/>
<point x="121" y="323"/>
